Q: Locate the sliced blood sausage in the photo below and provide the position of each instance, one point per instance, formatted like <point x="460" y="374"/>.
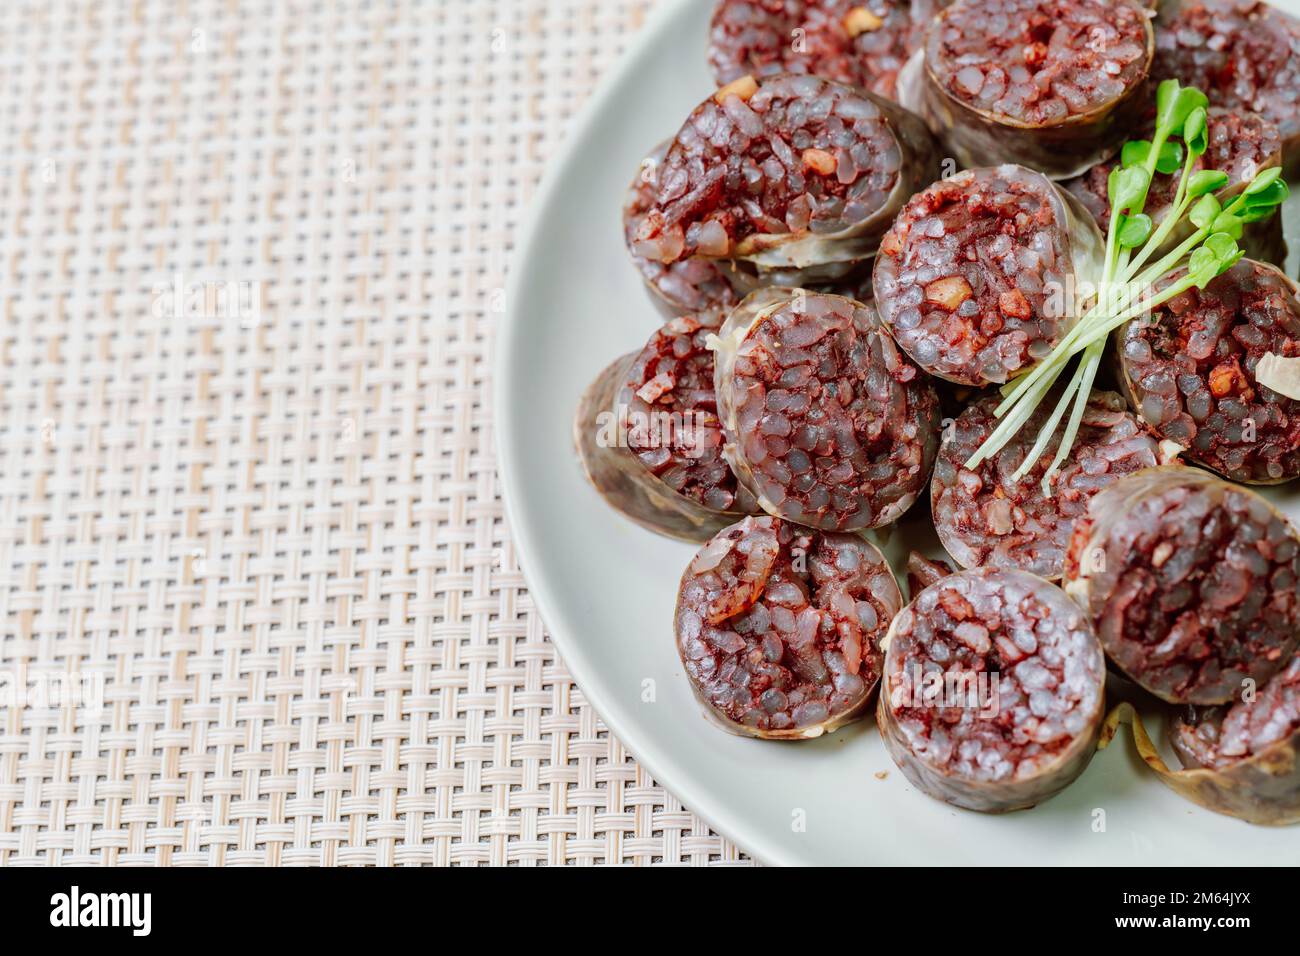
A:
<point x="779" y="627"/>
<point x="686" y="286"/>
<point x="649" y="439"/>
<point x="1192" y="370"/>
<point x="1052" y="84"/>
<point x="992" y="697"/>
<point x="786" y="172"/>
<point x="1242" y="757"/>
<point x="982" y="274"/>
<point x="1244" y="55"/>
<point x="1190" y="582"/>
<point x="857" y="42"/>
<point x="1240" y="145"/>
<point x="827" y="423"/>
<point x="985" y="517"/>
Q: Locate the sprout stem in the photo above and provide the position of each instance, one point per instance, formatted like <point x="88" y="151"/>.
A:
<point x="1088" y="366"/>
<point x="1049" y="427"/>
<point x="1125" y="267"/>
<point x="1175" y="214"/>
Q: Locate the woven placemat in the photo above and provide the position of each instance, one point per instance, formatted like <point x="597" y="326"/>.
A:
<point x="259" y="601"/>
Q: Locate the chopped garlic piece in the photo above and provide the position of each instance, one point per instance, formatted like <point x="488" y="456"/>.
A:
<point x="745" y="87"/>
<point x="949" y="292"/>
<point x="1170" y="450"/>
<point x="819" y="161"/>
<point x="861" y="20"/>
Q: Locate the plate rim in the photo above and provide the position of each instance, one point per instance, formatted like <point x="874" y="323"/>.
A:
<point x="687" y="785"/>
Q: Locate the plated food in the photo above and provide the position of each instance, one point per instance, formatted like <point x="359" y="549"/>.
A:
<point x="1196" y="370"/>
<point x="851" y="323"/>
<point x="650" y="440"/>
<point x="785" y="172"/>
<point x="1241" y="144"/>
<point x="860" y="42"/>
<point x="686" y="286"/>
<point x="1241" y="759"/>
<point x="993" y="690"/>
<point x="983" y="273"/>
<point x="1243" y="54"/>
<point x="1052" y="84"/>
<point x="991" y="516"/>
<point x="1190" y="582"/>
<point x="827" y="423"/>
<point x="779" y="627"/>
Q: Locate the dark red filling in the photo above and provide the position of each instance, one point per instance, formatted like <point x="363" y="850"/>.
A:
<point x="1205" y="593"/>
<point x="987" y="517"/>
<point x="1039" y="61"/>
<point x="859" y="42"/>
<point x="1242" y="55"/>
<point x="799" y="155"/>
<point x="834" y="423"/>
<point x="963" y="276"/>
<point x="691" y="285"/>
<point x="991" y="674"/>
<point x="1218" y="737"/>
<point x="673" y="425"/>
<point x="1192" y="372"/>
<point x="779" y="626"/>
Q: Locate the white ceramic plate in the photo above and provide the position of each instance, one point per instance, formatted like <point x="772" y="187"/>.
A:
<point x="606" y="588"/>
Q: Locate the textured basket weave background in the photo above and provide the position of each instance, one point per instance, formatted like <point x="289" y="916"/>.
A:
<point x="259" y="601"/>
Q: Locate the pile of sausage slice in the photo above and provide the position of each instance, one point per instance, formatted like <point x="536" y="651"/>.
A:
<point x="843" y="302"/>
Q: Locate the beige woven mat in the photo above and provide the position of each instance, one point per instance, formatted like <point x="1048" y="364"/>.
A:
<point x="259" y="602"/>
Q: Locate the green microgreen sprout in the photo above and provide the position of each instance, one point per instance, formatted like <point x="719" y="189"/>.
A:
<point x="1129" y="287"/>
